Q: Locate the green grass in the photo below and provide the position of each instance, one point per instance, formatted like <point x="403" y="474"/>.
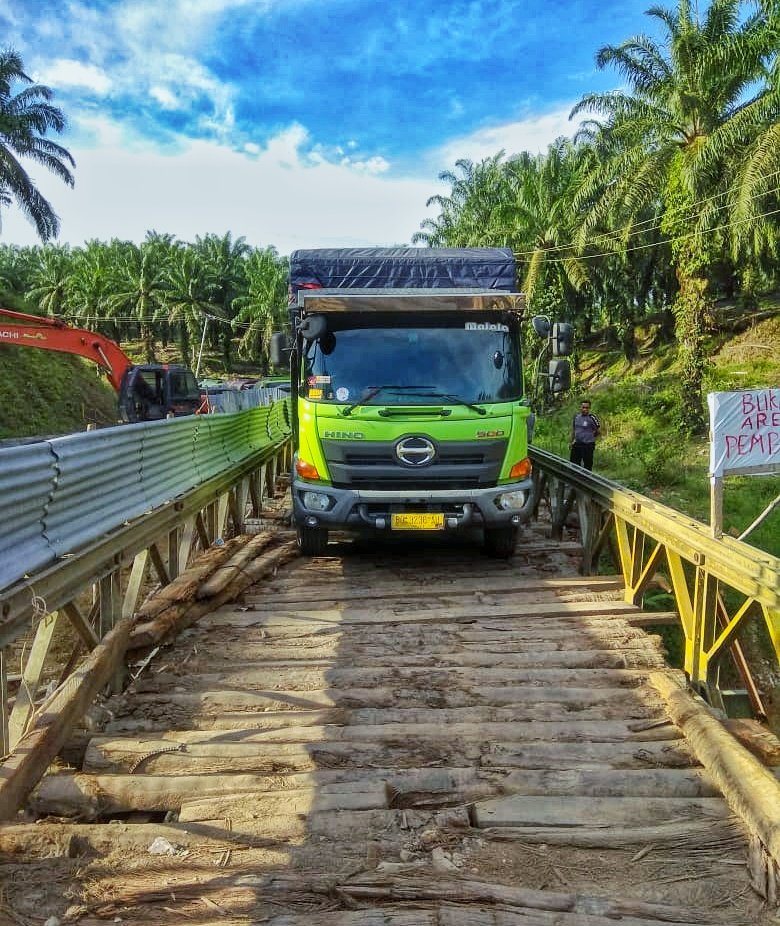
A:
<point x="642" y="447"/>
<point x="48" y="394"/>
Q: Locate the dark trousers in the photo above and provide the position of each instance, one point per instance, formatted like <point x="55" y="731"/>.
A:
<point x="582" y="454"/>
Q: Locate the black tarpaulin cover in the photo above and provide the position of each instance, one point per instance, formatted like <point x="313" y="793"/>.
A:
<point x="402" y="268"/>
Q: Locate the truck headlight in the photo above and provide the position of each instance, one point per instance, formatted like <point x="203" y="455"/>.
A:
<point x="316" y="501"/>
<point x="512" y="501"/>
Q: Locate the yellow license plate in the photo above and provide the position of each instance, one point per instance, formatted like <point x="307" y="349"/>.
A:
<point x="413" y="521"/>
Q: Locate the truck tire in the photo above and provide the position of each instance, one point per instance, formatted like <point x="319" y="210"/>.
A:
<point x="312" y="541"/>
<point x="500" y="541"/>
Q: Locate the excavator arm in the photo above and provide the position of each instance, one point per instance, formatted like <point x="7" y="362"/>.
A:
<point x="53" y="334"/>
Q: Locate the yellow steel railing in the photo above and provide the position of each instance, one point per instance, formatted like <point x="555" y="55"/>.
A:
<point x="719" y="585"/>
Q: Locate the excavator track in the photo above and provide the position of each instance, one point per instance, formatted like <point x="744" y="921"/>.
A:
<point x="407" y="734"/>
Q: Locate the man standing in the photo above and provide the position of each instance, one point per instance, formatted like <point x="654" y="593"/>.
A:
<point x="585" y="428"/>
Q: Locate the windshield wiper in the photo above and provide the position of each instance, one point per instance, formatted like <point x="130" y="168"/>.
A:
<point x="375" y="390"/>
<point x="455" y="398"/>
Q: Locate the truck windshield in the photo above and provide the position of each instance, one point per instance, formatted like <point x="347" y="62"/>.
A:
<point x="429" y="361"/>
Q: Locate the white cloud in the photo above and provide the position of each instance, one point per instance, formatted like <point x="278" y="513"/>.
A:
<point x="164" y="97"/>
<point x="68" y="73"/>
<point x="532" y="134"/>
<point x="276" y="194"/>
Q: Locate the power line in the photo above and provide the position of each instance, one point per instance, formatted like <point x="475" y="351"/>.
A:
<point x="655" y="244"/>
<point x="653" y="223"/>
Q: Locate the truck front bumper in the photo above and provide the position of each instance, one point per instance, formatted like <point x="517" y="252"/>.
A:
<point x="494" y="506"/>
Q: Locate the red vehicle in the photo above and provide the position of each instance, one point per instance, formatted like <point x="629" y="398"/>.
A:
<point x="146" y="392"/>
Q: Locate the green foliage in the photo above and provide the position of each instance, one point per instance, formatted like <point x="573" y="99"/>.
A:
<point x="51" y="394"/>
<point x="642" y="447"/>
<point x="26" y="117"/>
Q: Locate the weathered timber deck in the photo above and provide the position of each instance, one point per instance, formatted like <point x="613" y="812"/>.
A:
<point x="404" y="736"/>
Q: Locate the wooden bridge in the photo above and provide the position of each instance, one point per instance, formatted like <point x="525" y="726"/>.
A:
<point x="404" y="734"/>
<point x="409" y="734"/>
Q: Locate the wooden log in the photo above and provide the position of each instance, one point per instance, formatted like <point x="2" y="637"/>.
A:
<point x="22" y="770"/>
<point x="676" y="838"/>
<point x="347" y="761"/>
<point x="445" y="914"/>
<point x="438" y="681"/>
<point x="184" y="586"/>
<point x="92" y="796"/>
<point x="203" y="797"/>
<point x="71" y="840"/>
<point x="756" y="737"/>
<point x="341" y="825"/>
<point x="464" y="891"/>
<point x="750" y="789"/>
<point x="519" y="732"/>
<point x="377" y="706"/>
<point x="230" y="571"/>
<point x="153" y="754"/>
<point x="177" y="618"/>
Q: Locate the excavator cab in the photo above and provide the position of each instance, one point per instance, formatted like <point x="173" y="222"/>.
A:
<point x="149" y="392"/>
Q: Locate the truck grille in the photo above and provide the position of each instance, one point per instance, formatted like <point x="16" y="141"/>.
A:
<point x="373" y="465"/>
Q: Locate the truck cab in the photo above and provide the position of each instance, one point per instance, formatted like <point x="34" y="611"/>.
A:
<point x="153" y="391"/>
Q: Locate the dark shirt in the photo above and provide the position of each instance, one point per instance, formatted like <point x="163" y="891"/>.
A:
<point x="586" y="429"/>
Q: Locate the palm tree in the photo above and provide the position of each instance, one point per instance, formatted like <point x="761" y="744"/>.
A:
<point x="469" y="214"/>
<point x="139" y="288"/>
<point x="50" y="279"/>
<point x="25" y="118"/>
<point x="262" y="307"/>
<point x="679" y="94"/>
<point x="190" y="297"/>
<point x="224" y="260"/>
<point x="542" y="221"/>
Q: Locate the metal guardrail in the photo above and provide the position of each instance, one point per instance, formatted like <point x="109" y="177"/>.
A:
<point x="60" y="494"/>
<point x="648" y="538"/>
<point x="95" y="512"/>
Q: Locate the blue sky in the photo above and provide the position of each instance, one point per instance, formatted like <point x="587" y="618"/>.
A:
<point x="296" y="123"/>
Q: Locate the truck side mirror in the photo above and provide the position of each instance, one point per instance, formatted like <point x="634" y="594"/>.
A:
<point x="280" y="344"/>
<point x="562" y="339"/>
<point x="313" y="327"/>
<point x="541" y="325"/>
<point x="559" y="375"/>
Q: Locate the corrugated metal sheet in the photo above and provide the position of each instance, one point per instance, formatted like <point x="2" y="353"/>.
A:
<point x="58" y="495"/>
<point x="26" y="481"/>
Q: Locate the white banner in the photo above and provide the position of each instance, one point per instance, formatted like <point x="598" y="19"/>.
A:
<point x="744" y="431"/>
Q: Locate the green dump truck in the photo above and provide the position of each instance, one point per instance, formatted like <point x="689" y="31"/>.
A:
<point x="409" y="401"/>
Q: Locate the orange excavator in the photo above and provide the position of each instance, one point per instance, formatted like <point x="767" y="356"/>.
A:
<point x="146" y="392"/>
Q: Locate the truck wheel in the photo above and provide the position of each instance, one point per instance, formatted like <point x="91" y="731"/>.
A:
<point x="500" y="541"/>
<point x="312" y="541"/>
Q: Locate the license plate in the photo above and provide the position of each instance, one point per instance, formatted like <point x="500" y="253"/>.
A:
<point x="412" y="521"/>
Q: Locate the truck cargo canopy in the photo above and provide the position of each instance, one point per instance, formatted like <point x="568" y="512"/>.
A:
<point x="401" y="268"/>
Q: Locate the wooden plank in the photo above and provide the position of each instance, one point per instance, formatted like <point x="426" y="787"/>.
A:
<point x="539" y="811"/>
<point x="344" y="616"/>
<point x="347" y="589"/>
<point x="31" y="677"/>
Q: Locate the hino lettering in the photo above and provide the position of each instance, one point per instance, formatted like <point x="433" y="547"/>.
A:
<point x="11" y="335"/>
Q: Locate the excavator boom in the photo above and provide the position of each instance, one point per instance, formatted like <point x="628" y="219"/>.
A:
<point x="145" y="392"/>
<point x="53" y="334"/>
